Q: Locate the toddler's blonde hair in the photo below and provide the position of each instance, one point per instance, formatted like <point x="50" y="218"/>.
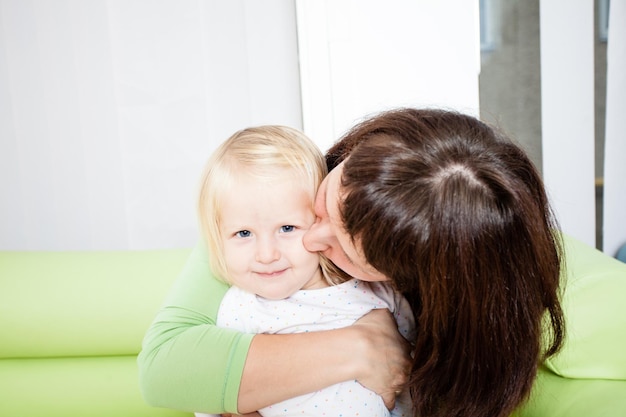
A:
<point x="266" y="153"/>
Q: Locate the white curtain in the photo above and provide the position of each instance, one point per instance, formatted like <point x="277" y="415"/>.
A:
<point x="108" y="110"/>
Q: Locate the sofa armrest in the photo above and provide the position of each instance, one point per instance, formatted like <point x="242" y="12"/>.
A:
<point x="91" y="303"/>
<point x="594" y="304"/>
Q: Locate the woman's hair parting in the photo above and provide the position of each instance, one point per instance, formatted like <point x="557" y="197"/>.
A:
<point x="263" y="153"/>
<point x="456" y="215"/>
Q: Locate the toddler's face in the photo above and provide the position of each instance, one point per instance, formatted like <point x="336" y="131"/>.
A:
<point x="262" y="224"/>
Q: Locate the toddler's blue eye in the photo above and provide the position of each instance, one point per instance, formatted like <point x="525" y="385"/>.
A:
<point x="243" y="233"/>
<point x="287" y="228"/>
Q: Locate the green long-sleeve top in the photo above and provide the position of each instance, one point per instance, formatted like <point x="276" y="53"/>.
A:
<point x="186" y="362"/>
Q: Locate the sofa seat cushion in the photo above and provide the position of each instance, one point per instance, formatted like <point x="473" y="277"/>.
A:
<point x="555" y="396"/>
<point x="61" y="387"/>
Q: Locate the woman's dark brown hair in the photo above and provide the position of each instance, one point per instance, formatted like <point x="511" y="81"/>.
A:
<point x="457" y="217"/>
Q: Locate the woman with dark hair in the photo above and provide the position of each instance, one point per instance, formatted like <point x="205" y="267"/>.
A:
<point x="455" y="217"/>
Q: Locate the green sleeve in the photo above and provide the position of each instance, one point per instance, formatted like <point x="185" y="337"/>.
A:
<point x="187" y="362"/>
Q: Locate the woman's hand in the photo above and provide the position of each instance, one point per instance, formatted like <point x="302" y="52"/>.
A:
<point x="385" y="355"/>
<point x="255" y="414"/>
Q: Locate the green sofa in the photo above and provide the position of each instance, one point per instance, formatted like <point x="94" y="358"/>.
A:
<point x="72" y="325"/>
<point x="588" y="376"/>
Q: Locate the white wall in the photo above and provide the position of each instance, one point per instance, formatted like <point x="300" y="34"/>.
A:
<point x="615" y="146"/>
<point x="567" y="77"/>
<point x="363" y="56"/>
<point x="108" y="110"/>
<point x="567" y="113"/>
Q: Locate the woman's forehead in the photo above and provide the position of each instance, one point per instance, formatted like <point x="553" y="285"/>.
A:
<point x="332" y="193"/>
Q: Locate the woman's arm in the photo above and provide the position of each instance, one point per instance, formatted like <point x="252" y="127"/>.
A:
<point x="188" y="363"/>
<point x="370" y="351"/>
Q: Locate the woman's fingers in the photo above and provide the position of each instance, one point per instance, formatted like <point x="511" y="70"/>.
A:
<point x="386" y="355"/>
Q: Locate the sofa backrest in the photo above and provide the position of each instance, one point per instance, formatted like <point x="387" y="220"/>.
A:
<point x="59" y="304"/>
